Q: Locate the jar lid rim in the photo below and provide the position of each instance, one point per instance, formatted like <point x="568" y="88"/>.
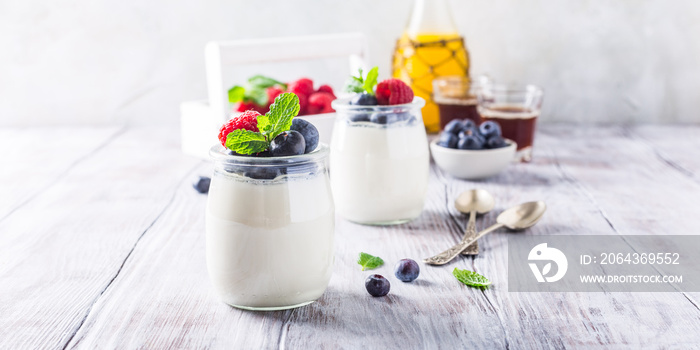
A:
<point x="344" y="104"/>
<point x="219" y="154"/>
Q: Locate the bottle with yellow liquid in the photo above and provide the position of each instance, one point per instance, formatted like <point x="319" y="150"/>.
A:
<point x="430" y="47"/>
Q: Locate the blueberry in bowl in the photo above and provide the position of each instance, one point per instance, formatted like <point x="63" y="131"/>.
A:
<point x="448" y="140"/>
<point x="476" y="152"/>
<point x="490" y="128"/>
<point x="495" y="141"/>
<point x="454" y="127"/>
<point x="469" y="124"/>
<point x="473" y="142"/>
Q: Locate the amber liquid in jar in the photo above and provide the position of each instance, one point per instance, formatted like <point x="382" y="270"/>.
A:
<point x="457" y="108"/>
<point x="517" y="123"/>
<point x="420" y="59"/>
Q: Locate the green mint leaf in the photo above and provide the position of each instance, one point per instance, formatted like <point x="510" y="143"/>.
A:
<point x="355" y="84"/>
<point x="255" y="90"/>
<point x="371" y="80"/>
<point x="471" y="278"/>
<point x="279" y="118"/>
<point x="244" y="141"/>
<point x="236" y="94"/>
<point x="264" y="82"/>
<point x="256" y="94"/>
<point x="368" y="261"/>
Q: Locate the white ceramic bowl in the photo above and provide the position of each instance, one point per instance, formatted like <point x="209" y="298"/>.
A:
<point x="472" y="164"/>
<point x="324" y="123"/>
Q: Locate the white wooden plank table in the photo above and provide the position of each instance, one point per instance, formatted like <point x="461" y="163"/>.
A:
<point x="102" y="246"/>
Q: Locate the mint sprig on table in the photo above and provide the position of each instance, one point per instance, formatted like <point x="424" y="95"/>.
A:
<point x="254" y="90"/>
<point x="471" y="278"/>
<point x="276" y="121"/>
<point x="369" y="262"/>
<point x="360" y="84"/>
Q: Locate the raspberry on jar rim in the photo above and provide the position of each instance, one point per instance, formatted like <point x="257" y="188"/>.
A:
<point x="247" y="120"/>
<point x="394" y="92"/>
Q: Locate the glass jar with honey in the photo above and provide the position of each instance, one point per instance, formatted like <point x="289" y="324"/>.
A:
<point x="430" y="47"/>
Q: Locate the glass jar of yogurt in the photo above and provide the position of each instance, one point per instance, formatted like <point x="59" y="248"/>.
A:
<point x="379" y="162"/>
<point x="269" y="229"/>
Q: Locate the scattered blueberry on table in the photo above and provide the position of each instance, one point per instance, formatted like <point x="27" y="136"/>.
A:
<point x="202" y="184"/>
<point x="377" y="285"/>
<point x="406" y="270"/>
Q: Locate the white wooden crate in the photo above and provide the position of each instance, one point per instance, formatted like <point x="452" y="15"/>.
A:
<point x="200" y="120"/>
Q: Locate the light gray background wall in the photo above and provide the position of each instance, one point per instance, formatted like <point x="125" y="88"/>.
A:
<point x="129" y="61"/>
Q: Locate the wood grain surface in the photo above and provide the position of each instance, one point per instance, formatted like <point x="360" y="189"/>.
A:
<point x="102" y="246"/>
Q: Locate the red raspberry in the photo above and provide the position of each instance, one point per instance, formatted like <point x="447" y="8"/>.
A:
<point x="243" y="106"/>
<point x="320" y="102"/>
<point x="303" y="104"/>
<point x="303" y="86"/>
<point x="326" y="88"/>
<point x="246" y="106"/>
<point x="272" y="93"/>
<point x="394" y="92"/>
<point x="247" y="120"/>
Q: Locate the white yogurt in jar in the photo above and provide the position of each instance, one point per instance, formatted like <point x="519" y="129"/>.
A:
<point x="269" y="243"/>
<point x="379" y="173"/>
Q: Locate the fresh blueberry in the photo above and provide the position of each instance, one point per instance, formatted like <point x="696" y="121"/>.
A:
<point x="495" y="142"/>
<point x="490" y="128"/>
<point x="406" y="270"/>
<point x="233" y="169"/>
<point x="469" y="124"/>
<point x="377" y="285"/>
<point x="454" y="127"/>
<point x="261" y="173"/>
<point x="265" y="153"/>
<point x="309" y="132"/>
<point x="471" y="132"/>
<point x="303" y="169"/>
<point x="364" y="99"/>
<point x="383" y="118"/>
<point x="359" y="117"/>
<point x="402" y="116"/>
<point x="359" y="114"/>
<point x="202" y="184"/>
<point x="288" y="143"/>
<point x="448" y="140"/>
<point x="470" y="142"/>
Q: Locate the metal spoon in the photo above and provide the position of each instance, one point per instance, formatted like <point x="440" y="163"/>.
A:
<point x="472" y="202"/>
<point x="515" y="218"/>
